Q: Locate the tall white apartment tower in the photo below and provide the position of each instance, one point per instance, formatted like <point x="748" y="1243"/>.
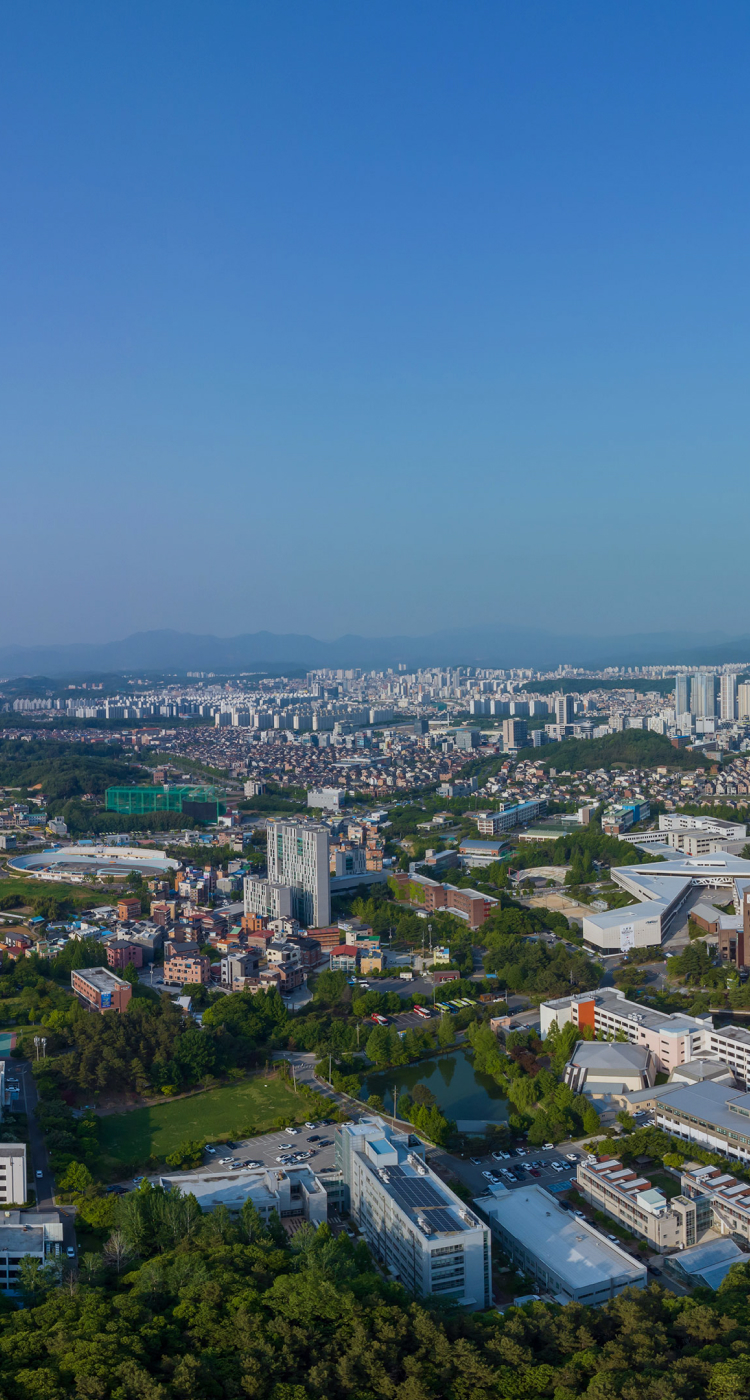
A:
<point x="728" y="697"/>
<point x="703" y="694"/>
<point x="298" y="857"/>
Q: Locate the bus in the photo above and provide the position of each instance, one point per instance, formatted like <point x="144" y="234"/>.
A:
<point x="423" y="1012"/>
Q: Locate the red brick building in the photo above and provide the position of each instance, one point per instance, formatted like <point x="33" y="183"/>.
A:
<point x="120" y="953"/>
<point x="129" y="908"/>
<point x="100" y="990"/>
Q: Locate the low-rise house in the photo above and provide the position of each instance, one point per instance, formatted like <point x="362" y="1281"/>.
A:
<point x="181" y="969"/>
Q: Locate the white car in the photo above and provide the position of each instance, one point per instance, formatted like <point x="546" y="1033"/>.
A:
<point x="501" y="1156"/>
<point x="291" y="1131"/>
<point x="311" y="1125"/>
<point x="489" y="1175"/>
<point x="572" y="1156"/>
<point x="556" y="1166"/>
<point x="39" y="1175"/>
<point x="548" y="1147"/>
<point x="521" y="1151"/>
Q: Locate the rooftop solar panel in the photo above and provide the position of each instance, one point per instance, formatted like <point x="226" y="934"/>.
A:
<point x="416" y="1192"/>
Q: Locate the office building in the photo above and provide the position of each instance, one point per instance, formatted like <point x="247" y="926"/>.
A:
<point x="267" y="899"/>
<point x="564" y="710"/>
<point x="290" y="1191"/>
<point x="564" y="1254"/>
<point x="703" y="694"/>
<point x="676" y="1040"/>
<point x="414" y="1224"/>
<point x="728" y="697"/>
<point x="12" y="1173"/>
<point x="326" y="799"/>
<point x="298" y="857"/>
<point x="627" y="1196"/>
<point x="517" y="814"/>
<point x="678" y="821"/>
<point x="467" y="739"/>
<point x="26" y="1235"/>
<point x="101" y="990"/>
<point x="681" y="695"/>
<point x="515" y="733"/>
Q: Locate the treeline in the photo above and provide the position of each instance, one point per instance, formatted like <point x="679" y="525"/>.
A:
<point x="187" y="1306"/>
<point x="630" y="748"/>
<point x="64" y="770"/>
<point x="545" y="1109"/>
<point x="530" y="966"/>
<point x="151" y="1046"/>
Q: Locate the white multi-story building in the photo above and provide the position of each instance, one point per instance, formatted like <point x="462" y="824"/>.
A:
<point x="267" y="899"/>
<point x="412" y="1221"/>
<point x="12" y="1173"/>
<point x="674" y="1038"/>
<point x="298" y="857"/>
<point x="564" y="1254"/>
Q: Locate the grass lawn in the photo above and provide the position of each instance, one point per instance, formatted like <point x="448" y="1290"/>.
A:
<point x="129" y="1139"/>
<point x="668" y="1185"/>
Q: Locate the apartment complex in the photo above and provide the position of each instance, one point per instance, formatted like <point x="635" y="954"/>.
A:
<point x="187" y="968"/>
<point x="412" y="1221"/>
<point x="268" y="899"/>
<point x="564" y="1254"/>
<point x="298" y="856"/>
<point x="100" y="989"/>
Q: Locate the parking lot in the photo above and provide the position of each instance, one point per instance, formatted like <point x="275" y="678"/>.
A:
<point x="264" y="1151"/>
<point x="549" y="1168"/>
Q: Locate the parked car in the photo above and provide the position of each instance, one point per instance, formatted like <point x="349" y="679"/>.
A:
<point x="572" y="1156"/>
<point x="653" y="1270"/>
<point x="534" y="1171"/>
<point x="212" y="1150"/>
<point x="291" y="1131"/>
<point x="613" y="1238"/>
<point x="252" y="1164"/>
<point x="476" y="1160"/>
<point x="520" y="1151"/>
<point x="311" y="1125"/>
<point x="70" y="1252"/>
<point x="314" y="1137"/>
<point x="490" y="1176"/>
<point x="548" y="1147"/>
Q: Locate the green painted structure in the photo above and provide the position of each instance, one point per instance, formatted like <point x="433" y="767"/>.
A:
<point x="200" y="802"/>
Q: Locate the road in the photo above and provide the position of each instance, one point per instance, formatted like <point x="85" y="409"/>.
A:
<point x="37" y="1158"/>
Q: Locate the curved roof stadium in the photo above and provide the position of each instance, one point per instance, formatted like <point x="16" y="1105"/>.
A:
<point x="76" y="864"/>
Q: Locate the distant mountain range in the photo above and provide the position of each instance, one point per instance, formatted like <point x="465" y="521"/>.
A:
<point x="472" y="646"/>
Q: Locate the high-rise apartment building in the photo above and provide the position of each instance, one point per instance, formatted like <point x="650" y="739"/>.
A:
<point x="728" y="697"/>
<point x="298" y="857"/>
<point x="682" y="695"/>
<point x="703" y="694"/>
<point x="743" y="701"/>
<point x="515" y="733"/>
<point x="267" y="899"/>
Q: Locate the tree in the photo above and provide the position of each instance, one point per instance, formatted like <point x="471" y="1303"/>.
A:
<point x="445" y="1033"/>
<point x="591" y="1120"/>
<point x="117" y="1251"/>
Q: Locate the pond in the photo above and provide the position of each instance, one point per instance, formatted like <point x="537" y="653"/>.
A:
<point x="461" y="1092"/>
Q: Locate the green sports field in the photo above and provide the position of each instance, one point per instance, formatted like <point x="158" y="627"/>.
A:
<point x="129" y="1139"/>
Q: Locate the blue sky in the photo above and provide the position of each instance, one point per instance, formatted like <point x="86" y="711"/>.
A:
<point x="351" y="317"/>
